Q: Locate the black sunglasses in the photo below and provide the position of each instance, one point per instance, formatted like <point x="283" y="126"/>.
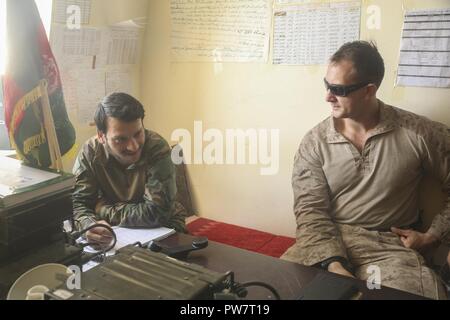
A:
<point x="343" y="91"/>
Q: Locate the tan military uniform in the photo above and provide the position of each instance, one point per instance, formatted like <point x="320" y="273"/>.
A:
<point x="142" y="195"/>
<point x="345" y="202"/>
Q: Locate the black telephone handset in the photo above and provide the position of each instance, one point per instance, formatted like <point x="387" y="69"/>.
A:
<point x="181" y="251"/>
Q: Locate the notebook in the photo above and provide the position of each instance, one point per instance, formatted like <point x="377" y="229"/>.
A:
<point x="126" y="236"/>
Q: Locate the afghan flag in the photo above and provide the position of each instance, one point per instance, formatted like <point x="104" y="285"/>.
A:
<point x="31" y="60"/>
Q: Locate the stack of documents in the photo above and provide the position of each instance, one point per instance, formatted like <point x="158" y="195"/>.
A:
<point x="20" y="184"/>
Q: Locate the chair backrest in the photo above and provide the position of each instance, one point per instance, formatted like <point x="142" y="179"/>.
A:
<point x="183" y="190"/>
<point x="431" y="200"/>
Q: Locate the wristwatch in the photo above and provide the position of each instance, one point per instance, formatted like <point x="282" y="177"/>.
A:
<point x="344" y="262"/>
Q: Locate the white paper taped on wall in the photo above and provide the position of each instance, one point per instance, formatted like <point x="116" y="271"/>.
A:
<point x="291" y="1"/>
<point x="69" y="83"/>
<point x="85" y="41"/>
<point x="123" y="46"/>
<point x="93" y="48"/>
<point x="118" y="81"/>
<point x="221" y="30"/>
<point x="140" y="22"/>
<point x="425" y="49"/>
<point x="90" y="91"/>
<point x="84" y="48"/>
<point x="310" y="34"/>
<point x="84" y="57"/>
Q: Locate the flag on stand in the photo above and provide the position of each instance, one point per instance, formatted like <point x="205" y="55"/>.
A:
<point x="30" y="60"/>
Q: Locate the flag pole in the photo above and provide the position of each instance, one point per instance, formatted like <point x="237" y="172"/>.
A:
<point x="49" y="125"/>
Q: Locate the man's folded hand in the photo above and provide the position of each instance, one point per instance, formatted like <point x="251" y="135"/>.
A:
<point x="415" y="240"/>
<point x="99" y="237"/>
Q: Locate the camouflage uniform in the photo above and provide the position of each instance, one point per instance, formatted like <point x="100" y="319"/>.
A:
<point x="141" y="195"/>
<point x="345" y="202"/>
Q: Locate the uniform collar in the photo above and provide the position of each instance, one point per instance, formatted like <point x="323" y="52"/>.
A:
<point x="387" y="123"/>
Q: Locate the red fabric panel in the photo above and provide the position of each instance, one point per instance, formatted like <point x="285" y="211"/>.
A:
<point x="240" y="237"/>
<point x="277" y="246"/>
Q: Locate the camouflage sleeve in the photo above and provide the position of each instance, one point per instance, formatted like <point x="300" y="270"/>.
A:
<point x="158" y="205"/>
<point x="318" y="238"/>
<point x="437" y="162"/>
<point x="85" y="194"/>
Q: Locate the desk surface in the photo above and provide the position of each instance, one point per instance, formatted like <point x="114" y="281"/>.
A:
<point x="286" y="277"/>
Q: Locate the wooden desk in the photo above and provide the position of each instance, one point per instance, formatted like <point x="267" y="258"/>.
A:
<point x="286" y="277"/>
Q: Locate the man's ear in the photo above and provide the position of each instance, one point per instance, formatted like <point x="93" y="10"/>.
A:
<point x="371" y="90"/>
<point x="101" y="137"/>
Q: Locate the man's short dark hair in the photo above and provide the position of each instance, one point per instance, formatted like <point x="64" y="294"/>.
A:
<point x="117" y="105"/>
<point x="366" y="59"/>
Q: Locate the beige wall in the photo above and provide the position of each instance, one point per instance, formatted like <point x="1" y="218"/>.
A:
<point x="251" y="95"/>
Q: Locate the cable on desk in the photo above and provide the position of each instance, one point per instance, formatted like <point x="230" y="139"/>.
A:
<point x="92" y="256"/>
<point x="240" y="288"/>
<point x="261" y="284"/>
<point x="138" y="244"/>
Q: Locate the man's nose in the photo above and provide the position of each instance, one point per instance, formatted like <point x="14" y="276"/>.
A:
<point x="329" y="97"/>
<point x="132" y="145"/>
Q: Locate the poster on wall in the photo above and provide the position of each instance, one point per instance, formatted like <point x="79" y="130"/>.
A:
<point x="123" y="46"/>
<point x="90" y="91"/>
<point x="91" y="61"/>
<point x="310" y="34"/>
<point x="220" y="31"/>
<point x="425" y="49"/>
<point x="85" y="48"/>
<point x="118" y="81"/>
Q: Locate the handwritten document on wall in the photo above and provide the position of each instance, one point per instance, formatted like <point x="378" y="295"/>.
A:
<point x="425" y="49"/>
<point x="220" y="30"/>
<point x="310" y="34"/>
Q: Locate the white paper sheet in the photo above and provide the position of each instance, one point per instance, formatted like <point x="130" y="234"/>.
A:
<point x="69" y="83"/>
<point x="60" y="14"/>
<point x="90" y="91"/>
<point x="425" y="49"/>
<point x="126" y="236"/>
<point x="123" y="45"/>
<point x="291" y="1"/>
<point x="84" y="42"/>
<point x="119" y="81"/>
<point x="139" y="22"/>
<point x="221" y="30"/>
<point x="310" y="34"/>
<point x="85" y="48"/>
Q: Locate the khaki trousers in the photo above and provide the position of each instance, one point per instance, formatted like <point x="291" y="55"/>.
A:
<point x="398" y="267"/>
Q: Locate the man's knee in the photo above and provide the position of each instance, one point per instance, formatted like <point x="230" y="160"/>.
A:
<point x="292" y="254"/>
